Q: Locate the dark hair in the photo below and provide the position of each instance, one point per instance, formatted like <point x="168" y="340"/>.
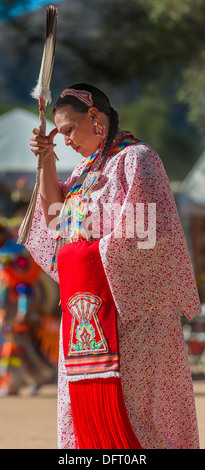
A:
<point x="100" y="101"/>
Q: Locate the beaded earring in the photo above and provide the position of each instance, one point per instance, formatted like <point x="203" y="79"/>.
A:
<point x="98" y="128"/>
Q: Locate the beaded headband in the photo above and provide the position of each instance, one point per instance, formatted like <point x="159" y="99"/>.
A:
<point x="81" y="95"/>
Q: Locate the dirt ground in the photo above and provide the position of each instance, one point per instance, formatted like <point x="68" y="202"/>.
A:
<point x="30" y="422"/>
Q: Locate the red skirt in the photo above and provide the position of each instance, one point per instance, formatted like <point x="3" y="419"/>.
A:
<point x="91" y="350"/>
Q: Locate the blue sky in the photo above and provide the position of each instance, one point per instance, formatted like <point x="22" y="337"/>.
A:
<point x="22" y="7"/>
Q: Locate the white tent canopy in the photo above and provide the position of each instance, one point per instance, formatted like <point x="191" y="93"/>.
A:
<point x="194" y="183"/>
<point x="15" y="154"/>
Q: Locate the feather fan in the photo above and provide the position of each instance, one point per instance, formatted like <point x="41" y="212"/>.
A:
<point x="42" y="93"/>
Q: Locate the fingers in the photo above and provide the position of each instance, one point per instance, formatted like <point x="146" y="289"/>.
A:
<point x="40" y="143"/>
<point x="37" y="132"/>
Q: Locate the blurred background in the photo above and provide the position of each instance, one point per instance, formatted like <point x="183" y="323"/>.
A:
<point x="149" y="57"/>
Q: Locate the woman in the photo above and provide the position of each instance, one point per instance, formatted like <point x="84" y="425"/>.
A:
<point x="125" y="276"/>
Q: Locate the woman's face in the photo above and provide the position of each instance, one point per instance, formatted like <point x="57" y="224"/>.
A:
<point x="77" y="129"/>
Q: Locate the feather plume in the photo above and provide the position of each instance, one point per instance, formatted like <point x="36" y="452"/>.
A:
<point x="43" y="94"/>
<point x="42" y="88"/>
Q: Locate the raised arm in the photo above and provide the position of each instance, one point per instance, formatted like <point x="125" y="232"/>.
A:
<point x="50" y="189"/>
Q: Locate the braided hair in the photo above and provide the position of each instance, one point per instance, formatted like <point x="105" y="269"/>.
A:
<point x="100" y="101"/>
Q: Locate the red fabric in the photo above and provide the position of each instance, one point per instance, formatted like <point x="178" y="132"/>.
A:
<point x="80" y="270"/>
<point x="99" y="414"/>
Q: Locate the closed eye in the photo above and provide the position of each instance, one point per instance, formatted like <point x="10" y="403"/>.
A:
<point x="65" y="131"/>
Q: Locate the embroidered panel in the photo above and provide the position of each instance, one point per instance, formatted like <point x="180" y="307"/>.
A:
<point x="88" y="351"/>
<point x="86" y="336"/>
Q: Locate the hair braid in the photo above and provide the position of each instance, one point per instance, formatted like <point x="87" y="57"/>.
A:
<point x="113" y="128"/>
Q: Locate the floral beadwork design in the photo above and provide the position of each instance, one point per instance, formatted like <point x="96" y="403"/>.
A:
<point x="86" y="334"/>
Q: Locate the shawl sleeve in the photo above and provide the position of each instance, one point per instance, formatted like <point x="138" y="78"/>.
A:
<point x="154" y="273"/>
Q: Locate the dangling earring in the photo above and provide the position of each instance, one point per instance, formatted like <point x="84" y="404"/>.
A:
<point x="98" y="128"/>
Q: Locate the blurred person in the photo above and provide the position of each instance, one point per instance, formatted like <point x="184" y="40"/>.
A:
<point x="20" y="192"/>
<point x="119" y="253"/>
<point x="21" y="364"/>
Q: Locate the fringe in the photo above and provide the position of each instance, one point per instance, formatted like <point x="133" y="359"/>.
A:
<point x="25" y="228"/>
<point x="99" y="415"/>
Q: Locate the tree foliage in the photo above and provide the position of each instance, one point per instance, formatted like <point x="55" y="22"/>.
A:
<point x="148" y="55"/>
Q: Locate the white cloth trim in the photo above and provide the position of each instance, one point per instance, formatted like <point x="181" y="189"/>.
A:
<point x="93" y="376"/>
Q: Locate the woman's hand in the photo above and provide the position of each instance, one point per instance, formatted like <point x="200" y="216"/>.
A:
<point x="50" y="189"/>
<point x="40" y="143"/>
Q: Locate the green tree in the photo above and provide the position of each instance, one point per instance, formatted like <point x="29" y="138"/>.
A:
<point x="157" y="119"/>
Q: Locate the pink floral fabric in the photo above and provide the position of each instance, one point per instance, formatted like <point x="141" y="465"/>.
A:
<point x="151" y="288"/>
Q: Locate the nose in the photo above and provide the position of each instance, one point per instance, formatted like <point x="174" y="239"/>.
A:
<point x="67" y="140"/>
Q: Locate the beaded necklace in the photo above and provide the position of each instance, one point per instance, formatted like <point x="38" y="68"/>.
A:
<point x="82" y="188"/>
